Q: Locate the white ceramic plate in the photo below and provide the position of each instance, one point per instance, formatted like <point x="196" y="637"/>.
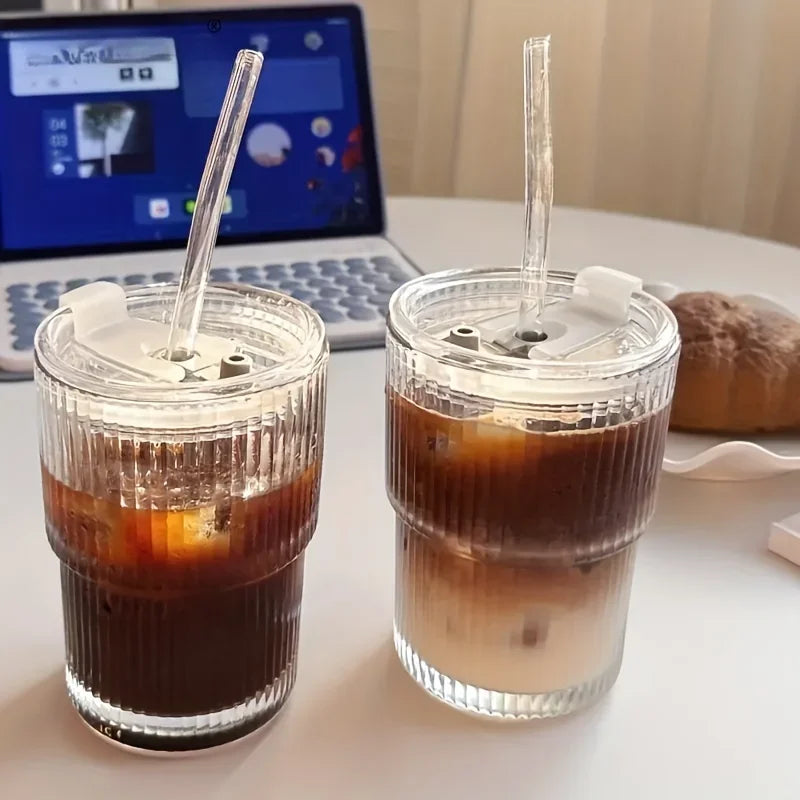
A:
<point x="717" y="458"/>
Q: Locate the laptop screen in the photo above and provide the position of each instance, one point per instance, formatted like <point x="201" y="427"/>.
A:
<point x="105" y="124"/>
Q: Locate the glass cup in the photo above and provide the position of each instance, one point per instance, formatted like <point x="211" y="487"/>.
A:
<point x="520" y="487"/>
<point x="180" y="513"/>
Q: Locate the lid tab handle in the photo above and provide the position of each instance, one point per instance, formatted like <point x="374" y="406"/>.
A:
<point x="599" y="305"/>
<point x="102" y="325"/>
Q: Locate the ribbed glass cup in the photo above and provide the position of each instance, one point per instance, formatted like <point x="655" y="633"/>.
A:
<point x="180" y="513"/>
<point x="520" y="488"/>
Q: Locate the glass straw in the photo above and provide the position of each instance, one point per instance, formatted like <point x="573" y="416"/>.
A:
<point x="538" y="186"/>
<point x="210" y="201"/>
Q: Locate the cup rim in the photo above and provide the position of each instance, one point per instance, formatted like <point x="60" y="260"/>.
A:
<point x="664" y="346"/>
<point x="309" y="355"/>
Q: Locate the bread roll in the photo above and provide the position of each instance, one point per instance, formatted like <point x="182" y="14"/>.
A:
<point x="739" y="369"/>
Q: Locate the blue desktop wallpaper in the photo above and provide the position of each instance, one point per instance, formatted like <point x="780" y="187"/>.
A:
<point x="104" y="132"/>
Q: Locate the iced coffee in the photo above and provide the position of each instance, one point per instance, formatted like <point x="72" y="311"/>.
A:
<point x="520" y="486"/>
<point x="180" y="512"/>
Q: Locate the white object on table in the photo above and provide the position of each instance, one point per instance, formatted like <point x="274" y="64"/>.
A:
<point x="714" y="458"/>
<point x="707" y="702"/>
<point x="784" y="539"/>
<point x="720" y="458"/>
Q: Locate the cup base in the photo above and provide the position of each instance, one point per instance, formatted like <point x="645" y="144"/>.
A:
<point x="181" y="734"/>
<point x="498" y="704"/>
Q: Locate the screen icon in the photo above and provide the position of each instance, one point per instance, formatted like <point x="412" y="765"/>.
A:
<point x="313" y="40"/>
<point x="321" y="127"/>
<point x="146" y="73"/>
<point x="268" y="144"/>
<point x="260" y="42"/>
<point x="325" y="156"/>
<point x="126" y="73"/>
<point x="190" y="203"/>
<point x="159" y="208"/>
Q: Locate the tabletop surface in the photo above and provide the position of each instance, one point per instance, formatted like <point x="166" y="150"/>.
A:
<point x="708" y="701"/>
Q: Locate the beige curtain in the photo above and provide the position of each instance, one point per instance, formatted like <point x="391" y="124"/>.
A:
<point x="685" y="109"/>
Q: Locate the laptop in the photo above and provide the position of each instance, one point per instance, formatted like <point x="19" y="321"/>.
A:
<point x="105" y="123"/>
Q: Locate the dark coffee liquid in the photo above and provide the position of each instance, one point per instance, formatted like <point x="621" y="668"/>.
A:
<point x="189" y="653"/>
<point x="514" y="549"/>
<point x="182" y="612"/>
<point x="492" y="489"/>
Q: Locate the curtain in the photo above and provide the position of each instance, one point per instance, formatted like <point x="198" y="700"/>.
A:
<point x="684" y="109"/>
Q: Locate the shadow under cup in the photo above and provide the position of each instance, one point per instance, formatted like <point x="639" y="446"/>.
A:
<point x="520" y="486"/>
<point x="181" y="513"/>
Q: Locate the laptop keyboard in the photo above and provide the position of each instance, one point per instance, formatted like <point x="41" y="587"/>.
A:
<point x="344" y="292"/>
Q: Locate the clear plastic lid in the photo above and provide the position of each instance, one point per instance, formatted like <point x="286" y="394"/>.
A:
<point x="601" y="329"/>
<point x="109" y="345"/>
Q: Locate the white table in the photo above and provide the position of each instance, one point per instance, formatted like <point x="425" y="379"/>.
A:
<point x="708" y="702"/>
